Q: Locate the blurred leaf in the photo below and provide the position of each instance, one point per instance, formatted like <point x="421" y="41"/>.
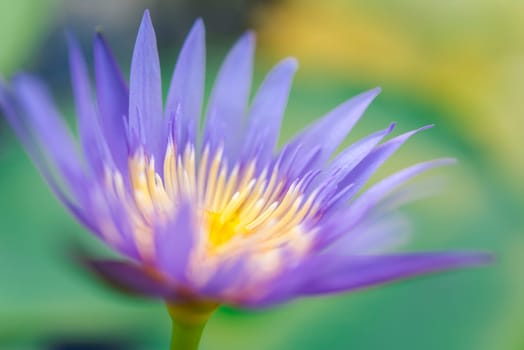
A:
<point x="23" y="24"/>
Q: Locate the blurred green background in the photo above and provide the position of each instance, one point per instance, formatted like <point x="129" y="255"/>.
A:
<point x="457" y="64"/>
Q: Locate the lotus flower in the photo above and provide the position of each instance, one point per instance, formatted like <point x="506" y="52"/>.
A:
<point x="219" y="215"/>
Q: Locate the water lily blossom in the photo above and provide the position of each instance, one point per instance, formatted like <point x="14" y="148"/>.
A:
<point x="217" y="214"/>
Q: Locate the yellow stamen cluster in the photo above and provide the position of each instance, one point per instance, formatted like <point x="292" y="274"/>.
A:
<point x="238" y="212"/>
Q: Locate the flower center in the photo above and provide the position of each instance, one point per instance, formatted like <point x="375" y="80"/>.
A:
<point x="239" y="211"/>
<point x="221" y="229"/>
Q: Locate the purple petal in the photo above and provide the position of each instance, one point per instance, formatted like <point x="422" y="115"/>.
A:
<point x="377" y="192"/>
<point x="45" y="123"/>
<point x="130" y="278"/>
<point x="410" y="193"/>
<point x="174" y="241"/>
<point x="295" y="162"/>
<point x="48" y="171"/>
<point x="341" y="273"/>
<point x="336" y="273"/>
<point x="343" y="218"/>
<point x="93" y="143"/>
<point x="113" y="102"/>
<point x="184" y="99"/>
<point x="374" y="236"/>
<point x="331" y="130"/>
<point x="347" y="160"/>
<point x="355" y="153"/>
<point x="21" y="130"/>
<point x="229" y="98"/>
<point x="267" y="111"/>
<point x="145" y="88"/>
<point x="367" y="167"/>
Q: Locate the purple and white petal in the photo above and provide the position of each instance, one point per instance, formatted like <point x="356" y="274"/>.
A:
<point x="93" y="142"/>
<point x="267" y="110"/>
<point x="145" y="89"/>
<point x="186" y="92"/>
<point x="43" y="121"/>
<point x="112" y="96"/>
<point x="229" y="99"/>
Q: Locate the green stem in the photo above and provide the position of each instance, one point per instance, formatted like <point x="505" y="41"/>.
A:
<point x="185" y="337"/>
<point x="188" y="322"/>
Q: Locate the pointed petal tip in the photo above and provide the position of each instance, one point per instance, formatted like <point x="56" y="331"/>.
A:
<point x="199" y="22"/>
<point x="370" y="95"/>
<point x="438" y="162"/>
<point x="486" y="258"/>
<point x="375" y="91"/>
<point x="426" y="127"/>
<point x="146" y="23"/>
<point x="73" y="46"/>
<point x="464" y="258"/>
<point x="245" y="45"/>
<point x="198" y="29"/>
<point x="99" y="36"/>
<point x="248" y="37"/>
<point x="100" y="43"/>
<point x="146" y="15"/>
<point x="408" y="134"/>
<point x="293" y="61"/>
<point x="391" y="127"/>
<point x="447" y="161"/>
<point x="289" y="63"/>
<point x="476" y="258"/>
<point x="196" y="34"/>
<point x="365" y="98"/>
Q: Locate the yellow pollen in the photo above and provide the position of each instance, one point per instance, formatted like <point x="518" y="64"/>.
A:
<point x="239" y="213"/>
